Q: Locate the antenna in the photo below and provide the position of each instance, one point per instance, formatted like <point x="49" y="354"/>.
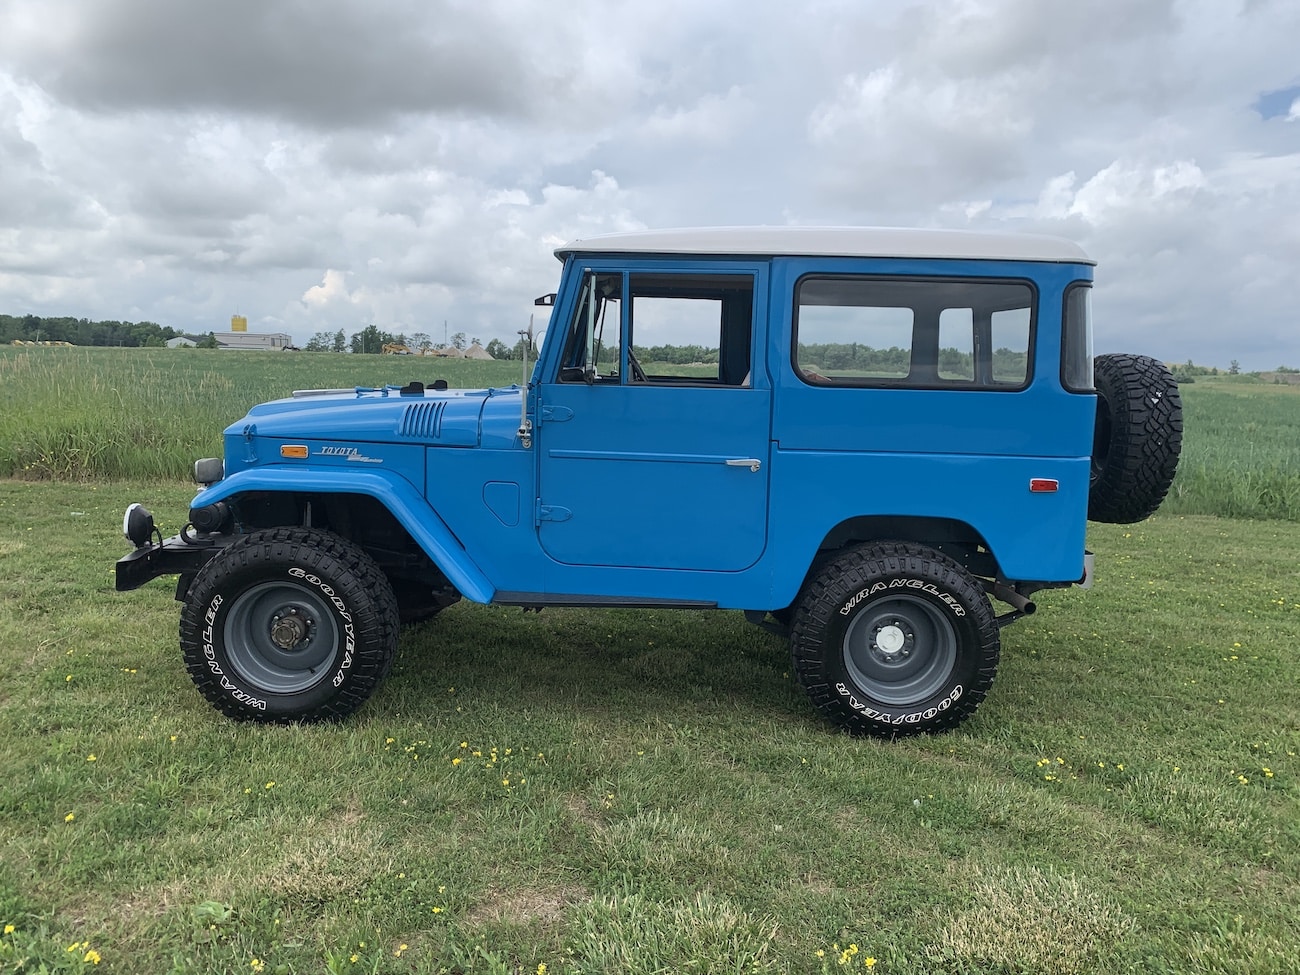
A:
<point x="525" y="424"/>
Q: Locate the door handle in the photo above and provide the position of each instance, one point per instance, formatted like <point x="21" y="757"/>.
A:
<point x="753" y="463"/>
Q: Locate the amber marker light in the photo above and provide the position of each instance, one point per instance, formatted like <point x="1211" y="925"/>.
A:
<point x="296" y="450"/>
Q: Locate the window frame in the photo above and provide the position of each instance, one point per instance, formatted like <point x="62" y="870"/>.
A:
<point x="1066" y="338"/>
<point x="747" y="282"/>
<point x="921" y="282"/>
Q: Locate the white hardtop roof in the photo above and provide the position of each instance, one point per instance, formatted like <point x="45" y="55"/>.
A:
<point x="834" y="242"/>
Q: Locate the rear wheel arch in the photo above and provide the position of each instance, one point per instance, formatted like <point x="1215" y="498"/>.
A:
<point x="950" y="537"/>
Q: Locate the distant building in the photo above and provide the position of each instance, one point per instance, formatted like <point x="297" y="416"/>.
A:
<point x="183" y="342"/>
<point x="244" y="341"/>
<point x="477" y="351"/>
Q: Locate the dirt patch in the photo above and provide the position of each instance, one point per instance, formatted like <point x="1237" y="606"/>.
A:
<point x="525" y="906"/>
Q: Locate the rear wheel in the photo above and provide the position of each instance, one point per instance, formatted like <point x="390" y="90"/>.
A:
<point x="895" y="639"/>
<point x="289" y="624"/>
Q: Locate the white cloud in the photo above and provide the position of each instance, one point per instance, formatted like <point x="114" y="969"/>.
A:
<point x="418" y="161"/>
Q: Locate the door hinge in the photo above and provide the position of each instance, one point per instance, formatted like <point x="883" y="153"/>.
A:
<point x="552" y="512"/>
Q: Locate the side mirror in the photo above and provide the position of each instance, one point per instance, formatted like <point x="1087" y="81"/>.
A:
<point x="545" y="301"/>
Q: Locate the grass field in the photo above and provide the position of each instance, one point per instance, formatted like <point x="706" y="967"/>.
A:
<point x="636" y="791"/>
<point x="148" y="413"/>
<point x="97" y="414"/>
<point x="629" y="791"/>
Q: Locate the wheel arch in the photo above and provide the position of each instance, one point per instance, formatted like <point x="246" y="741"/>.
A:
<point x="952" y="537"/>
<point x="383" y="514"/>
<point x="956" y="539"/>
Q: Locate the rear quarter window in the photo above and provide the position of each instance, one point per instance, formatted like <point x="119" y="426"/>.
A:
<point x="915" y="332"/>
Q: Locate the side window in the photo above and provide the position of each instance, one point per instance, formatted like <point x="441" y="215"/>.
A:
<point x="591" y="351"/>
<point x="1076" y="339"/>
<point x="1009" y="331"/>
<point x="690" y="329"/>
<point x="684" y="329"/>
<point x="923" y="333"/>
<point x="957" y="344"/>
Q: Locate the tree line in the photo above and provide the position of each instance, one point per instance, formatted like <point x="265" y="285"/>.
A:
<point x="372" y="339"/>
<point x="82" y="331"/>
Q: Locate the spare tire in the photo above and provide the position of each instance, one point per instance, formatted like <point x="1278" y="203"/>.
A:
<point x="1136" y="440"/>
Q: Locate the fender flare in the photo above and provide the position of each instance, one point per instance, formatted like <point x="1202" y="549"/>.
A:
<point x="398" y="495"/>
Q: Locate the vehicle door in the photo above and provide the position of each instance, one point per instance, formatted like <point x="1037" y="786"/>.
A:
<point x="653" y="432"/>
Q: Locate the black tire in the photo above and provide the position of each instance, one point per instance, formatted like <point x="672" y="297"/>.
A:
<point x="895" y="639"/>
<point x="1136" y="440"/>
<point x="289" y="624"/>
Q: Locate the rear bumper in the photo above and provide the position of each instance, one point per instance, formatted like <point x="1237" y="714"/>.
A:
<point x="1089" y="570"/>
<point x="174" y="556"/>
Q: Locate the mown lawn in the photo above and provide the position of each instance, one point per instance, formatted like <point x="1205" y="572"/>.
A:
<point x="629" y="791"/>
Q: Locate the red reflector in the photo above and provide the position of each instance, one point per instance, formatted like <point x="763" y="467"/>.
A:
<point x="1043" y="485"/>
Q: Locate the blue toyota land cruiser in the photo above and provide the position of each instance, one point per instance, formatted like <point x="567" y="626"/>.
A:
<point x="886" y="432"/>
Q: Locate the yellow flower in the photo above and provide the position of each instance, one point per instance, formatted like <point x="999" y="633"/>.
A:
<point x="354" y="958"/>
<point x="868" y="963"/>
<point x="397" y="952"/>
<point x="270" y="785"/>
<point x="91" y="757"/>
<point x="69" y="817"/>
<point x="820" y="953"/>
<point x="9" y="929"/>
<point x="456" y="760"/>
<point x="92" y="956"/>
<point x="257" y="964"/>
<point x="541" y="968"/>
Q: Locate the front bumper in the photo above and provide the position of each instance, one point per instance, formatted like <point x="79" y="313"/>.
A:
<point x="179" y="555"/>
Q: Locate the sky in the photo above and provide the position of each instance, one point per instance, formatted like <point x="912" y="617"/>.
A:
<point x="318" y="165"/>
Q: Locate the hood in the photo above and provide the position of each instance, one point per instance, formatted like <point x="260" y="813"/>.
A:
<point x="435" y="418"/>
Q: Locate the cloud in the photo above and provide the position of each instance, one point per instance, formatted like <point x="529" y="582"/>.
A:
<point x="327" y="164"/>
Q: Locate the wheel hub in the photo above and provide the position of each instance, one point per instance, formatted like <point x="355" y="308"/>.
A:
<point x="290" y="630"/>
<point x="892" y="641"/>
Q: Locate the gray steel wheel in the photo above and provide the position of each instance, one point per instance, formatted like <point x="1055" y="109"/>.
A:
<point x="281" y="637"/>
<point x="900" y="650"/>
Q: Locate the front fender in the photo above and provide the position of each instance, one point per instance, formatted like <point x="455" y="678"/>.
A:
<point x="393" y="492"/>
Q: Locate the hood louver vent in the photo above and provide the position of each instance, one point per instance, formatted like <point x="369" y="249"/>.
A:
<point x="423" y="421"/>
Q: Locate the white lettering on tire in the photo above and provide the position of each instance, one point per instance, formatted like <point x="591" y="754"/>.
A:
<point x="349" y="630"/>
<point x="913" y="717"/>
<point x="929" y="588"/>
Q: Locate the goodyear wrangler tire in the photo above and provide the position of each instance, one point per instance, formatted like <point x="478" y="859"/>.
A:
<point x="895" y="639"/>
<point x="289" y="624"/>
<point x="1136" y="440"/>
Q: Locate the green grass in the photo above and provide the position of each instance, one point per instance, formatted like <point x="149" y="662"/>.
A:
<point x="649" y="792"/>
<point x="102" y="414"/>
<point x="91" y="413"/>
<point x="1241" y="455"/>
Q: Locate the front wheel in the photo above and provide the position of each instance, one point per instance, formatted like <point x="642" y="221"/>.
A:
<point x="894" y="639"/>
<point x="289" y="624"/>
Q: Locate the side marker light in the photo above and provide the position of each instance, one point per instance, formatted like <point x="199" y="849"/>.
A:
<point x="1043" y="485"/>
